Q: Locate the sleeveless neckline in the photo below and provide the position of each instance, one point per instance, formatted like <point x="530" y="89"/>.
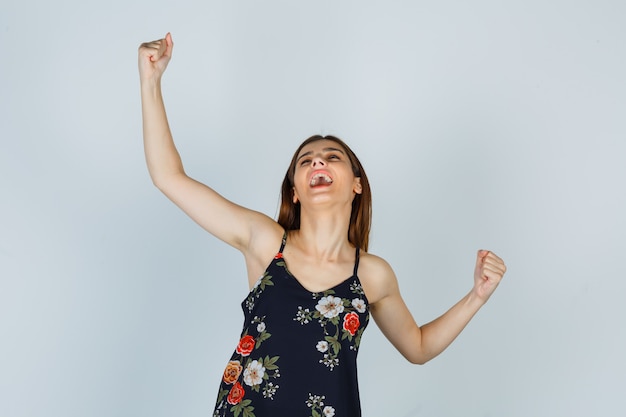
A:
<point x="332" y="288"/>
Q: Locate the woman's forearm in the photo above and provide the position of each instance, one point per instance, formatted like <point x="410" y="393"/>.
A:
<point x="441" y="332"/>
<point x="162" y="158"/>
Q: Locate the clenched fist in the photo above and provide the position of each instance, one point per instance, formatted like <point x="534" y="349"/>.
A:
<point x="488" y="273"/>
<point x="154" y="57"/>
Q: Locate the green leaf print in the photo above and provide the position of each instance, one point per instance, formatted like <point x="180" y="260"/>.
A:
<point x="346" y="335"/>
<point x="357" y="339"/>
<point x="247" y="412"/>
<point x="266" y="280"/>
<point x="270" y="363"/>
<point x="261" y="338"/>
<point x="334" y="344"/>
<point x="245" y="407"/>
<point x="223" y="393"/>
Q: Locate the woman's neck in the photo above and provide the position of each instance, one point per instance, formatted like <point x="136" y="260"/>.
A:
<point x="323" y="235"/>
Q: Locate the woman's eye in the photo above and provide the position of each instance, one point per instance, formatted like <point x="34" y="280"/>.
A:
<point x="304" y="162"/>
<point x="333" y="157"/>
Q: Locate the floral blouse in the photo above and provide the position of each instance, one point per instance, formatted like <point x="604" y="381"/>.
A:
<point x="297" y="353"/>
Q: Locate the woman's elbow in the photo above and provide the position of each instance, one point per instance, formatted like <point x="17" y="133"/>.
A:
<point x="419" y="361"/>
<point x="417" y="358"/>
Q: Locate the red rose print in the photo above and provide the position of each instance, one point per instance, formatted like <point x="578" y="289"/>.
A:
<point x="236" y="394"/>
<point x="351" y="323"/>
<point x="245" y="346"/>
<point x="279" y="256"/>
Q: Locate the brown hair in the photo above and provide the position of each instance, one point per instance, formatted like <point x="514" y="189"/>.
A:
<point x="361" y="216"/>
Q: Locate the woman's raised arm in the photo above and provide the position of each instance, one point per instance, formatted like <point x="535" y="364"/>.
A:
<point x="239" y="227"/>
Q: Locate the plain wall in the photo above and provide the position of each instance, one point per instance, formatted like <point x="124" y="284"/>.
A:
<point x="482" y="124"/>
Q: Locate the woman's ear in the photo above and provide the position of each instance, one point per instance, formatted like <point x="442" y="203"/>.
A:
<point x="358" y="188"/>
<point x="295" y="196"/>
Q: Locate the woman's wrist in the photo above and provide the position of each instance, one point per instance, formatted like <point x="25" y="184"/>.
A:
<point x="151" y="88"/>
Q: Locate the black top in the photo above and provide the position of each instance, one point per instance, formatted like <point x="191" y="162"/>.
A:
<point x="297" y="353"/>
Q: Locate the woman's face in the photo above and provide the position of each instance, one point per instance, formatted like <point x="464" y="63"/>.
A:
<point x="323" y="173"/>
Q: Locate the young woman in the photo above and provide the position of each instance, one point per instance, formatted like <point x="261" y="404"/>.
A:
<point x="313" y="284"/>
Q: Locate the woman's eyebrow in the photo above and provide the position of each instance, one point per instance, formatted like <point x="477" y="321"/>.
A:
<point x="304" y="154"/>
<point x="329" y="149"/>
<point x="334" y="150"/>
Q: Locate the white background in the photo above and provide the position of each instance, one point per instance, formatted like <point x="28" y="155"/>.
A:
<point x="481" y="124"/>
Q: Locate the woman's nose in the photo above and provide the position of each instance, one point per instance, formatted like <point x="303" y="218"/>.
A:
<point x="318" y="161"/>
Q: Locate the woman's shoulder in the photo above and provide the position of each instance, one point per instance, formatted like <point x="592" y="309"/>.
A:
<point x="268" y="240"/>
<point x="369" y="261"/>
<point x="265" y="242"/>
<point x="376" y="276"/>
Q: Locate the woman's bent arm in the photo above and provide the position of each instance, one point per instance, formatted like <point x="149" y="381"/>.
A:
<point x="421" y="344"/>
